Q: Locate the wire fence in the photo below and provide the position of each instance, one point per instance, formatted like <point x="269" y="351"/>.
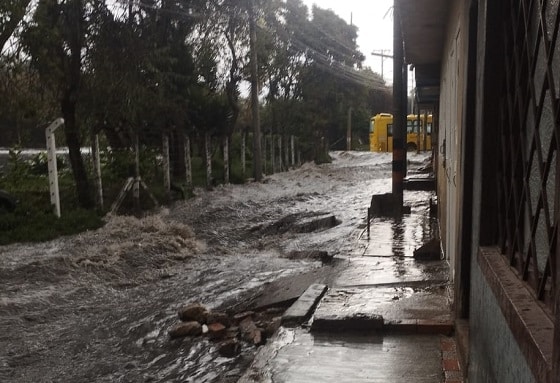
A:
<point x="151" y="173"/>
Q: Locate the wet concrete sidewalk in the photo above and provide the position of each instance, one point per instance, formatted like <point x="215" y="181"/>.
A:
<point x="385" y="317"/>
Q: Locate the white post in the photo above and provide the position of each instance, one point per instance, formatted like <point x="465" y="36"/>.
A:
<point x="208" y="153"/>
<point x="51" y="162"/>
<point x="265" y="155"/>
<point x="226" y="160"/>
<point x="293" y="146"/>
<point x="243" y="150"/>
<point x="166" y="166"/>
<point x="280" y="161"/>
<point x="136" y="185"/>
<point x="272" y="154"/>
<point x="188" y="163"/>
<point x="97" y="168"/>
<point x="287" y="153"/>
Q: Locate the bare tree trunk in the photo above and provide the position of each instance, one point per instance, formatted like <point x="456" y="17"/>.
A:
<point x="72" y="69"/>
<point x="71" y="132"/>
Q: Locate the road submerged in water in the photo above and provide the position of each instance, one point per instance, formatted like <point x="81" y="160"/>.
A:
<point x="97" y="307"/>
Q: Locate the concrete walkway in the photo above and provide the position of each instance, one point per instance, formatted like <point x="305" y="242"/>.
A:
<point x="384" y="318"/>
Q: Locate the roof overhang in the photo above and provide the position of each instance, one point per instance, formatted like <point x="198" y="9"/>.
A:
<point x="424" y="24"/>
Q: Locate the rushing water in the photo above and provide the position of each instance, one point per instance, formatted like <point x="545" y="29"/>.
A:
<point x="96" y="307"/>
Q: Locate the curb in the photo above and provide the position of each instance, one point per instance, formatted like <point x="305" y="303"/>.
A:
<point x="450" y="364"/>
<point x="419" y="326"/>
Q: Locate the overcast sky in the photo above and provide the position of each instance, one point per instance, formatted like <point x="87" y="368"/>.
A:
<point x="375" y="27"/>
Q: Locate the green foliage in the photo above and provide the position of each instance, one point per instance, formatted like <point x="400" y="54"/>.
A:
<point x="145" y="69"/>
<point x="322" y="157"/>
<point x="27" y="224"/>
<point x="33" y="219"/>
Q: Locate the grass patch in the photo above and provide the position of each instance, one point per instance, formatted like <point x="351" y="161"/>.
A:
<point x="24" y="225"/>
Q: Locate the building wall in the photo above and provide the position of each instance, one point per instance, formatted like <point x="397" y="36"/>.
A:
<point x="494" y="353"/>
<point x="450" y="130"/>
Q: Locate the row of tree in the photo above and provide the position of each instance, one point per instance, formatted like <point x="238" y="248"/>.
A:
<point x="147" y="67"/>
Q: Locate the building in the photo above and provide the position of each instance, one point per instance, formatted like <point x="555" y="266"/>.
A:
<point x="490" y="69"/>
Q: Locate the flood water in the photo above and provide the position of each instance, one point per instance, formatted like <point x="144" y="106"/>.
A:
<point x="96" y="307"/>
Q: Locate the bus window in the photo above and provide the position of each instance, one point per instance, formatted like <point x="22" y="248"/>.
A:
<point x="372" y="126"/>
<point x="429" y="128"/>
<point x="411" y="126"/>
<point x="389" y="129"/>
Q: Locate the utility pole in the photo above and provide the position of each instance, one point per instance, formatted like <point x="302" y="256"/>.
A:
<point x="257" y="160"/>
<point x="381" y="53"/>
<point x="400" y="101"/>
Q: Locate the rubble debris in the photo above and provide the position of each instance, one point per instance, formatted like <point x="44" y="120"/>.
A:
<point x="319" y="255"/>
<point x="193" y="312"/>
<point x="237" y="318"/>
<point x="299" y="223"/>
<point x="250" y="332"/>
<point x="216" y="330"/>
<point x="218" y="317"/>
<point x="229" y="348"/>
<point x="228" y="329"/>
<point x="184" y="329"/>
<point x="316" y="223"/>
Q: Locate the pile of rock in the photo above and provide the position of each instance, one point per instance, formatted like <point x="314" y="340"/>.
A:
<point x="228" y="330"/>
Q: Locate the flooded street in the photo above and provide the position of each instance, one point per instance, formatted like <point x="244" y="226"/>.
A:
<point x="97" y="307"/>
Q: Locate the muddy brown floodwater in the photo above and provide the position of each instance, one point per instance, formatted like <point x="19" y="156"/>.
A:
<point x="96" y="307"/>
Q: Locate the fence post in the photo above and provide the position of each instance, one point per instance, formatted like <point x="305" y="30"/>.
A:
<point x="97" y="169"/>
<point x="292" y="144"/>
<point x="51" y="163"/>
<point x="188" y="163"/>
<point x="272" y="153"/>
<point x="136" y="184"/>
<point x="208" y="154"/>
<point x="286" y="152"/>
<point x="226" y="160"/>
<point x="368" y="220"/>
<point x="243" y="150"/>
<point x="265" y="155"/>
<point x="280" y="160"/>
<point x="166" y="166"/>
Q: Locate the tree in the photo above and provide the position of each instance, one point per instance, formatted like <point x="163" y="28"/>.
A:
<point x="11" y="14"/>
<point x="55" y="41"/>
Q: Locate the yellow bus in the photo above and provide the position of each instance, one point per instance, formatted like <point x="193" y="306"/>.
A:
<point x="417" y="137"/>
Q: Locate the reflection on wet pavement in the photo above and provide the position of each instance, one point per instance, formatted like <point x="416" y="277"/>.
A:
<point x="372" y="358"/>
<point x="381" y="280"/>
